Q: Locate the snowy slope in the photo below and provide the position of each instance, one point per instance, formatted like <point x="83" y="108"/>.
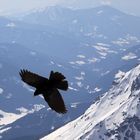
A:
<point x="81" y="51"/>
<point x="17" y="104"/>
<point x="115" y="116"/>
<point x="37" y="124"/>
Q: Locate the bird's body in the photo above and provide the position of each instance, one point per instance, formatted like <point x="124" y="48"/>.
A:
<point x="48" y="88"/>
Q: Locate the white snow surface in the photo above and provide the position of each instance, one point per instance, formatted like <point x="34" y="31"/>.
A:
<point x="1" y="90"/>
<point x="120" y="74"/>
<point x="11" y="25"/>
<point x="78" y="62"/>
<point x="33" y="53"/>
<point x="128" y="39"/>
<point x="81" y="56"/>
<point x="129" y="56"/>
<point x="8" y="118"/>
<point x="107" y="114"/>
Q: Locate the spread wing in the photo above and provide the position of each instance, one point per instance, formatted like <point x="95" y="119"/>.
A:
<point x="32" y="79"/>
<point x="55" y="101"/>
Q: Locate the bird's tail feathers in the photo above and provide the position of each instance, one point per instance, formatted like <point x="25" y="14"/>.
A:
<point x="59" y="80"/>
<point x="56" y="76"/>
<point x="63" y="85"/>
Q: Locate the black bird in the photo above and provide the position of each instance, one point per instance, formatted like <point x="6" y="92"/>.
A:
<point x="48" y="88"/>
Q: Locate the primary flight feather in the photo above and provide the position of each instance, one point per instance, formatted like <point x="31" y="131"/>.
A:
<point x="49" y="88"/>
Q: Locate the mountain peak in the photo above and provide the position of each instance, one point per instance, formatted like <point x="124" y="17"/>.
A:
<point x="111" y="116"/>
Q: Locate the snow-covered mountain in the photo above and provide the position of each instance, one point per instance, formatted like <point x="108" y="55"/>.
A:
<point x="37" y="124"/>
<point x="93" y="23"/>
<point x="115" y="116"/>
<point x="17" y="104"/>
<point x="74" y="42"/>
<point x="91" y="46"/>
<point x="131" y="7"/>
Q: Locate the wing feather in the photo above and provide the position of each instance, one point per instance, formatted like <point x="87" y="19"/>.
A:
<point x="55" y="101"/>
<point x="32" y="79"/>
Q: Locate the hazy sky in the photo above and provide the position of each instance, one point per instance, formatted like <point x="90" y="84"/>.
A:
<point x="11" y="6"/>
<point x="21" y="5"/>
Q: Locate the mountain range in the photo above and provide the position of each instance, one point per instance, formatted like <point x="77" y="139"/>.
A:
<point x="88" y="45"/>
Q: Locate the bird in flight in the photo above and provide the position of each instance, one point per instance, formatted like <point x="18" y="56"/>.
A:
<point x="49" y="88"/>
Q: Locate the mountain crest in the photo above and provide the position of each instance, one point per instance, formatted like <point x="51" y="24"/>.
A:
<point x="114" y="116"/>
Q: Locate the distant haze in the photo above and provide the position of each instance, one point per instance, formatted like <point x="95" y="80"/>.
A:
<point x="17" y="6"/>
